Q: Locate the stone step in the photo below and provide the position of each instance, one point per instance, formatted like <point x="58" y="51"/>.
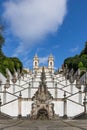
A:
<point x="81" y="116"/>
<point x="4" y="116"/>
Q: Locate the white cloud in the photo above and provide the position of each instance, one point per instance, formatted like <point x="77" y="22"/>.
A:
<point x="40" y="50"/>
<point x="75" y="49"/>
<point x="32" y="20"/>
<point x="43" y="60"/>
<point x="22" y="49"/>
<point x="56" y="47"/>
<point x="29" y="62"/>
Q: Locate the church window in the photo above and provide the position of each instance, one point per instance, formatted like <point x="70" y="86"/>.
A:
<point x="35" y="63"/>
<point x="50" y="63"/>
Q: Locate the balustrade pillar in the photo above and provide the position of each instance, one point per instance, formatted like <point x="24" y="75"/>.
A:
<point x="85" y="105"/>
<point x="13" y="88"/>
<point x="0" y="103"/>
<point x="56" y="91"/>
<point x="29" y="91"/>
<point x="14" y="80"/>
<point x="32" y="82"/>
<point x="19" y="105"/>
<point x="0" y="85"/>
<point x="4" y="96"/>
<point x="71" y="88"/>
<point x="80" y="96"/>
<point x="65" y="106"/>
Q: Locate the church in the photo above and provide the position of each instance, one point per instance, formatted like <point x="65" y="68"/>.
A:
<point x="43" y="94"/>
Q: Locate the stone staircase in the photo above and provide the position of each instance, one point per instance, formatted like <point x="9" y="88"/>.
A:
<point x="4" y="116"/>
<point x="24" y="86"/>
<point x="80" y="116"/>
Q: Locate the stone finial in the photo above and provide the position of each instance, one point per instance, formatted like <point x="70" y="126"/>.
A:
<point x="20" y="95"/>
<point x="14" y="79"/>
<point x="64" y="94"/>
<point x="0" y="101"/>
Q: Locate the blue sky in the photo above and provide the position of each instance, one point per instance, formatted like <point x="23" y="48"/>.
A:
<point x="45" y="27"/>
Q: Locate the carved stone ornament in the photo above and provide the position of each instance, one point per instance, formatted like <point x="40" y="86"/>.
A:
<point x="42" y="108"/>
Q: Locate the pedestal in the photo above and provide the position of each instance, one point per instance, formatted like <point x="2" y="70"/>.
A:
<point x="65" y="110"/>
<point x="19" y="107"/>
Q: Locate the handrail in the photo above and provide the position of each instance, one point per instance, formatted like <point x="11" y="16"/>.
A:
<point x="75" y="102"/>
<point x="9" y="102"/>
<point x="11" y="94"/>
<point x="72" y="94"/>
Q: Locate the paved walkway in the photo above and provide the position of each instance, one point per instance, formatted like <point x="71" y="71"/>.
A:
<point x="43" y="125"/>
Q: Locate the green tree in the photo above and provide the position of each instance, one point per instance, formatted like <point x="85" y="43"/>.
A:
<point x="80" y="65"/>
<point x="17" y="64"/>
<point x="84" y="51"/>
<point x="6" y="62"/>
<point x="78" y="61"/>
<point x="1" y="42"/>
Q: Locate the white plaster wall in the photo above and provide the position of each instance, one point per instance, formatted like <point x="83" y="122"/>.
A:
<point x="12" y="108"/>
<point x="33" y="91"/>
<point x="74" y="109"/>
<point x="26" y="107"/>
<point x="58" y="107"/>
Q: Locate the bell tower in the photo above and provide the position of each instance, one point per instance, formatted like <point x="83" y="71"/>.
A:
<point x="35" y="63"/>
<point x="51" y="63"/>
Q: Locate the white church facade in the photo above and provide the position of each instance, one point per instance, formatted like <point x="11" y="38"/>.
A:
<point x="48" y="69"/>
<point x="42" y="93"/>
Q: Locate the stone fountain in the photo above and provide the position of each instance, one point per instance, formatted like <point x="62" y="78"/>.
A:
<point x="42" y="107"/>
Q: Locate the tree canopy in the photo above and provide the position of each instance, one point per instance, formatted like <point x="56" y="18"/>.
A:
<point x="78" y="61"/>
<point x="8" y="62"/>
